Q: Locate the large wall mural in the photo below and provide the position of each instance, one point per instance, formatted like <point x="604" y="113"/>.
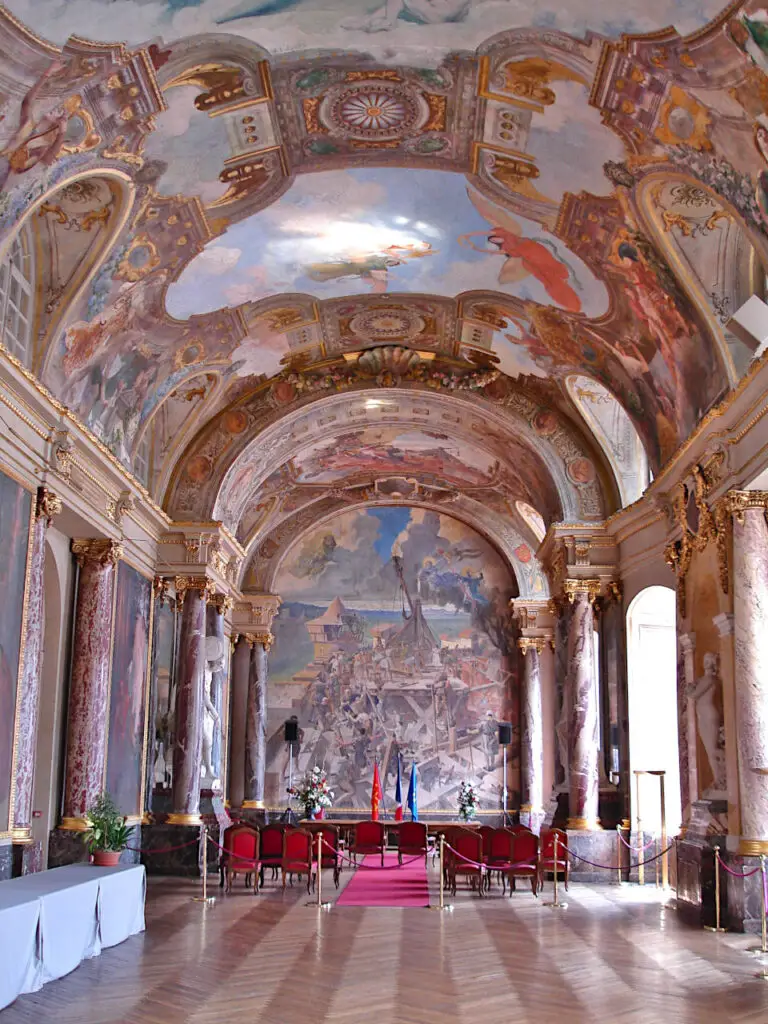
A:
<point x="393" y="638"/>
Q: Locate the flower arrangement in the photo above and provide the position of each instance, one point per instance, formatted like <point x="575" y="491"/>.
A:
<point x="313" y="793"/>
<point x="467" y="801"/>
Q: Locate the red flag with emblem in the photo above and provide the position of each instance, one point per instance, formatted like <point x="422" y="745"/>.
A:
<point x="375" y="793"/>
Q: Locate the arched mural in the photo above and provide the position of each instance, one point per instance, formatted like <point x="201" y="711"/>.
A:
<point x="394" y="638"/>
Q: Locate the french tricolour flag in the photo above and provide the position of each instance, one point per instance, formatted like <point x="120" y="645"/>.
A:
<point x="399" y="794"/>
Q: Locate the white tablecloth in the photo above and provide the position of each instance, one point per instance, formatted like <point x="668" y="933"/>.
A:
<point x="52" y="921"/>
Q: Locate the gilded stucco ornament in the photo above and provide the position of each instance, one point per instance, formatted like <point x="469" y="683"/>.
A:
<point x="99" y="550"/>
<point x="590" y="587"/>
<point x="48" y="505"/>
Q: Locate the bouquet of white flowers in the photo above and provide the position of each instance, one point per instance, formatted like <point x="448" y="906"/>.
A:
<point x="313" y="794"/>
<point x="467" y="801"/>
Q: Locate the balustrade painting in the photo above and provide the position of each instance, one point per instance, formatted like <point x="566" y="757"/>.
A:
<point x="15" y="512"/>
<point x="125" y="762"/>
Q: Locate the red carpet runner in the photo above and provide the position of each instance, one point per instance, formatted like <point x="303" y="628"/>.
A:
<point x="389" y="886"/>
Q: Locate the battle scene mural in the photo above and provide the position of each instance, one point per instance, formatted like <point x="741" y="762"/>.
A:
<point x="393" y="638"/>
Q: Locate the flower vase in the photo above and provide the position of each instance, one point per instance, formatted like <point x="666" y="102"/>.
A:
<point x="318" y="814"/>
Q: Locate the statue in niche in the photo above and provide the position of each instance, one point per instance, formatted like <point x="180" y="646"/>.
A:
<point x="214" y="658"/>
<point x="705" y="694"/>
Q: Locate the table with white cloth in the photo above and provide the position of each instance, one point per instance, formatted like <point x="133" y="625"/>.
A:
<point x="53" y="920"/>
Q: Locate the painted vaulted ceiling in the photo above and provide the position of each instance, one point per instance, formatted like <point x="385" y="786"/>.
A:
<point x="287" y="257"/>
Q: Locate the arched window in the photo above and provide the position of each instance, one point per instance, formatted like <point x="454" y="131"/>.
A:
<point x="17" y="297"/>
<point x="653" y="715"/>
<point x="616" y="434"/>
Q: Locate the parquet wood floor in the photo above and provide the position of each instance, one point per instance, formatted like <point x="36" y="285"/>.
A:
<point x="615" y="955"/>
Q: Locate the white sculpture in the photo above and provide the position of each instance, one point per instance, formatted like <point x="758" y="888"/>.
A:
<point x="709" y="722"/>
<point x="214" y="655"/>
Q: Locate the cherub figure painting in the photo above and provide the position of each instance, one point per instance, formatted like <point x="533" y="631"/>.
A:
<point x="525" y="257"/>
<point x="373" y="268"/>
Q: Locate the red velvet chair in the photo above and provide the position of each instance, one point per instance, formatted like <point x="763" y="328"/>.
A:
<point x="547" y="854"/>
<point x="241" y="854"/>
<point x="330" y="847"/>
<point x="525" y="856"/>
<point x="412" y="840"/>
<point x="369" y="837"/>
<point x="467" y="846"/>
<point x="487" y="832"/>
<point x="297" y="854"/>
<point x="497" y="849"/>
<point x="271" y="851"/>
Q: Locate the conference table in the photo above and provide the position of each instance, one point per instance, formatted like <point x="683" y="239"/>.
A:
<point x="53" y="920"/>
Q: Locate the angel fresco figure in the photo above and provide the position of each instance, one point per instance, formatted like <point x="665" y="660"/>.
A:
<point x="384" y="18"/>
<point x="372" y="267"/>
<point x="526" y="257"/>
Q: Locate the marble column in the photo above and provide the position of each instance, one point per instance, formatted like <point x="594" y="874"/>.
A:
<point x="241" y="663"/>
<point x="583" y="752"/>
<point x="532" y="735"/>
<point x="88" y="711"/>
<point x="191" y="592"/>
<point x="48" y="505"/>
<point x="750" y="606"/>
<point x="256" y="722"/>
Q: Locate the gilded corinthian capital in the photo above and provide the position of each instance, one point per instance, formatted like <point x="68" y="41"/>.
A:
<point x="100" y="550"/>
<point x="201" y="584"/>
<point x="48" y="505"/>
<point x="589" y="587"/>
<point x="739" y="501"/>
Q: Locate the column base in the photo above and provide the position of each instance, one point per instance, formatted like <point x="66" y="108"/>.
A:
<point x="597" y="846"/>
<point x="6" y="862"/>
<point x="73" y="825"/>
<point x="167" y="852"/>
<point x="27" y="857"/>
<point x="191" y="820"/>
<point x="253" y="805"/>
<point x="584" y="825"/>
<point x="753" y="847"/>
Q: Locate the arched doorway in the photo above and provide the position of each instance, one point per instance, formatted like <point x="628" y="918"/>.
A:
<point x="652" y="685"/>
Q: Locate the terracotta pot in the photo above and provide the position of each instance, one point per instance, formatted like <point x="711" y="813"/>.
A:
<point x="105" y="858"/>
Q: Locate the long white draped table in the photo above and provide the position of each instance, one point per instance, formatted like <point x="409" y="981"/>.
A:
<point x="53" y="920"/>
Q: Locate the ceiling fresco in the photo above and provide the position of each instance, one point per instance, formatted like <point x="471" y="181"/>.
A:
<point x="386" y="28"/>
<point x="375" y="230"/>
<point x="309" y="252"/>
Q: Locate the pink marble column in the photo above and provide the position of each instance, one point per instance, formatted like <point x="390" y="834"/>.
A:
<point x="48" y="505"/>
<point x="192" y="592"/>
<point x="532" y="735"/>
<point x="241" y="661"/>
<point x="256" y="722"/>
<point x="750" y="605"/>
<point x="88" y="711"/>
<point x="583" y="753"/>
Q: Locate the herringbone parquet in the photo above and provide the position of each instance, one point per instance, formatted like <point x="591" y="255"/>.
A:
<point x="617" y="956"/>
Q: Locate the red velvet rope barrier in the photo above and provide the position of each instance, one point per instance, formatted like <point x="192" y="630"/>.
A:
<point x="614" y="867"/>
<point x="635" y="849"/>
<point x="368" y="867"/>
<point x="492" y="867"/>
<point x="163" y="849"/>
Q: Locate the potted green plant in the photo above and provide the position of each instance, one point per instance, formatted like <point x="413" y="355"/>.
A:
<point x="107" y="834"/>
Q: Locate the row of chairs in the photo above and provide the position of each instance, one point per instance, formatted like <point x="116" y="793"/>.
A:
<point x="249" y="849"/>
<point x="509" y="853"/>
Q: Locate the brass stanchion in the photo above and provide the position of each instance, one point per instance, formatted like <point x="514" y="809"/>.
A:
<point x="638" y="830"/>
<point x="656" y="864"/>
<point x="664" y="843"/>
<point x="556" y="904"/>
<point x="762" y="949"/>
<point x="318" y="903"/>
<point x="618" y="851"/>
<point x="717" y="928"/>
<point x="442" y="905"/>
<point x="205" y="898"/>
